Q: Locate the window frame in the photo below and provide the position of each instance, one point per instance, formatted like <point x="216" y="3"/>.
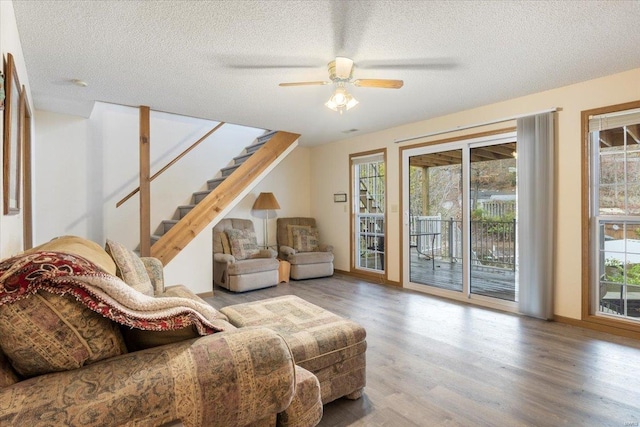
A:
<point x="590" y="244"/>
<point x="353" y="216"/>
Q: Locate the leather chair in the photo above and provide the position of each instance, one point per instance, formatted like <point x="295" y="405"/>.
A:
<point x="258" y="269"/>
<point x="298" y="243"/>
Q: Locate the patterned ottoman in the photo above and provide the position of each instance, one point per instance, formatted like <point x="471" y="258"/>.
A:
<point x="329" y="346"/>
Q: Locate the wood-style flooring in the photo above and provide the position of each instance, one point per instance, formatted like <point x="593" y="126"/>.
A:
<point x="434" y="362"/>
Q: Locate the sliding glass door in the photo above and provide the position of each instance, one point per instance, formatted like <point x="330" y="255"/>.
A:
<point x="460" y="223"/>
<point x="435" y="213"/>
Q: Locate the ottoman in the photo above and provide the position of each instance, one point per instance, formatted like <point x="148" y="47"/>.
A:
<point x="327" y="345"/>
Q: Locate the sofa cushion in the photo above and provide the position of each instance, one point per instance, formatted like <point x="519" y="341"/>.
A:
<point x="243" y="243"/>
<point x="305" y="239"/>
<point x="82" y="247"/>
<point x="8" y="375"/>
<point x="46" y="333"/>
<point x="306" y="407"/>
<point x="130" y="267"/>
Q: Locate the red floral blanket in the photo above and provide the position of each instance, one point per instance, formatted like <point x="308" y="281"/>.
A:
<point x="67" y="274"/>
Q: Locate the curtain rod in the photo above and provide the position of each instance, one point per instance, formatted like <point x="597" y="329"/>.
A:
<point x="506" y="119"/>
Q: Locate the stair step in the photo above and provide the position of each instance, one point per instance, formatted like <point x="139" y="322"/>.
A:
<point x="261" y="140"/>
<point x="154" y="239"/>
<point x="213" y="183"/>
<point x="166" y="225"/>
<point x="267" y="136"/>
<point x="198" y="196"/>
<point x="241" y="159"/>
<point x="228" y="170"/>
<point x="184" y="209"/>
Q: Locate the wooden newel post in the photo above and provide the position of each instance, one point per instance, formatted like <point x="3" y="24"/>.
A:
<point x="145" y="182"/>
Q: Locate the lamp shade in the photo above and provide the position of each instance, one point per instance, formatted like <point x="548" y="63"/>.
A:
<point x="266" y="201"/>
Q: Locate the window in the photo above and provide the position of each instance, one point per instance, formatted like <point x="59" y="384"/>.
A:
<point x="614" y="214"/>
<point x="369" y="207"/>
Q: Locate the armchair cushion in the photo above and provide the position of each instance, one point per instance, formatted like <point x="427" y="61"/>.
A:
<point x="305" y="239"/>
<point x="256" y="265"/>
<point x="130" y="267"/>
<point x="290" y="229"/>
<point x="243" y="243"/>
<point x="303" y="258"/>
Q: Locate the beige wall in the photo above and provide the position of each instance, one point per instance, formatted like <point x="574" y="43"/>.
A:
<point x="11" y="226"/>
<point x="330" y="173"/>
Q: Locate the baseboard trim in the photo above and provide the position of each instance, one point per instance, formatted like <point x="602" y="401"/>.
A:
<point x="373" y="278"/>
<point x="597" y="327"/>
<point x="205" y="294"/>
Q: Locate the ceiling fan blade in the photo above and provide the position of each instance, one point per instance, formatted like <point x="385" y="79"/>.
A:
<point x="304" y="84"/>
<point x="344" y="66"/>
<point x="381" y="83"/>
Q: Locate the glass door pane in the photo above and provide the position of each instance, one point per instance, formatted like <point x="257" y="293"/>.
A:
<point x="369" y="192"/>
<point x="493" y="223"/>
<point x="435" y="215"/>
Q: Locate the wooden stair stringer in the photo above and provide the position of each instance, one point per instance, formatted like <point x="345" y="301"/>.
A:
<point x="225" y="196"/>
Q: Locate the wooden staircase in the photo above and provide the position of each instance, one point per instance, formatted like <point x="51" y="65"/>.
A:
<point x="189" y="220"/>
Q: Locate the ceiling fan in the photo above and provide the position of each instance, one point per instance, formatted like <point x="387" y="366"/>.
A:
<point x="341" y="74"/>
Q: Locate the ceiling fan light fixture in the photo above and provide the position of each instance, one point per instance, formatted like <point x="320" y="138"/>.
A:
<point x="341" y="100"/>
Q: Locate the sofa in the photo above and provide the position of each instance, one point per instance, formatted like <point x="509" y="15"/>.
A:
<point x="299" y="244"/>
<point x="239" y="265"/>
<point x="92" y="337"/>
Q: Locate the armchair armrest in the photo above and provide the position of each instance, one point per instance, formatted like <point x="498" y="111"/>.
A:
<point x="182" y="381"/>
<point x="287" y="250"/>
<point x="155" y="271"/>
<point x="325" y="248"/>
<point x="224" y="258"/>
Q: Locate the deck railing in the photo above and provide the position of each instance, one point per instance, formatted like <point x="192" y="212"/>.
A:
<point x="493" y="243"/>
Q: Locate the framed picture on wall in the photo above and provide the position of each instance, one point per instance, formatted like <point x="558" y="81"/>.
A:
<point x="11" y="139"/>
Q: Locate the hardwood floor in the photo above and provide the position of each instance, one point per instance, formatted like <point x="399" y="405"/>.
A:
<point x="433" y="362"/>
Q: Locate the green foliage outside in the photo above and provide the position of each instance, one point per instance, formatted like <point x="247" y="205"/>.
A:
<point x="615" y="270"/>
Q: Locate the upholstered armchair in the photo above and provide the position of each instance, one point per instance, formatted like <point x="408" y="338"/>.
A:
<point x="298" y="243"/>
<point x="238" y="264"/>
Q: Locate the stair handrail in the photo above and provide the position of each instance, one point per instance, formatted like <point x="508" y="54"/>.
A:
<point x="171" y="163"/>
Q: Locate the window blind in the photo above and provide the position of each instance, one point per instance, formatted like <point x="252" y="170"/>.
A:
<point x="614" y="120"/>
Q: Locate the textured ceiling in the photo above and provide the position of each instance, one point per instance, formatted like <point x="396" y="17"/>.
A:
<point x="223" y="60"/>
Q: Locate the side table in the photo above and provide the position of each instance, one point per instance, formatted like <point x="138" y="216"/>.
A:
<point x="283" y="271"/>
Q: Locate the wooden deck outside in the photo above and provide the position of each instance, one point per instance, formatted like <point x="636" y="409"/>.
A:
<point x="491" y="282"/>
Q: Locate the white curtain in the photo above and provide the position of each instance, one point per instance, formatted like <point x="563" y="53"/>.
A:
<point x="536" y="215"/>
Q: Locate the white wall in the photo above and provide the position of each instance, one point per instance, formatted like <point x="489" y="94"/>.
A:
<point x="330" y="173"/>
<point x="85" y="166"/>
<point x="11" y="226"/>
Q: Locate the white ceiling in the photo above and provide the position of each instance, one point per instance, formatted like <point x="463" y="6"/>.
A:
<point x="223" y="60"/>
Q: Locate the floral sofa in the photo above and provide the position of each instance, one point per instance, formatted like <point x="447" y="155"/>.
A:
<point x="91" y="337"/>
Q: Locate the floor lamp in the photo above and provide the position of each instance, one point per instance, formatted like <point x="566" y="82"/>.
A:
<point x="266" y="202"/>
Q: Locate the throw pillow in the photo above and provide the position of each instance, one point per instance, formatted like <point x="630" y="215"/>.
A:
<point x="226" y="246"/>
<point x="290" y="229"/>
<point x="46" y="333"/>
<point x="243" y="243"/>
<point x="305" y="239"/>
<point x="75" y="245"/>
<point x="130" y="268"/>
